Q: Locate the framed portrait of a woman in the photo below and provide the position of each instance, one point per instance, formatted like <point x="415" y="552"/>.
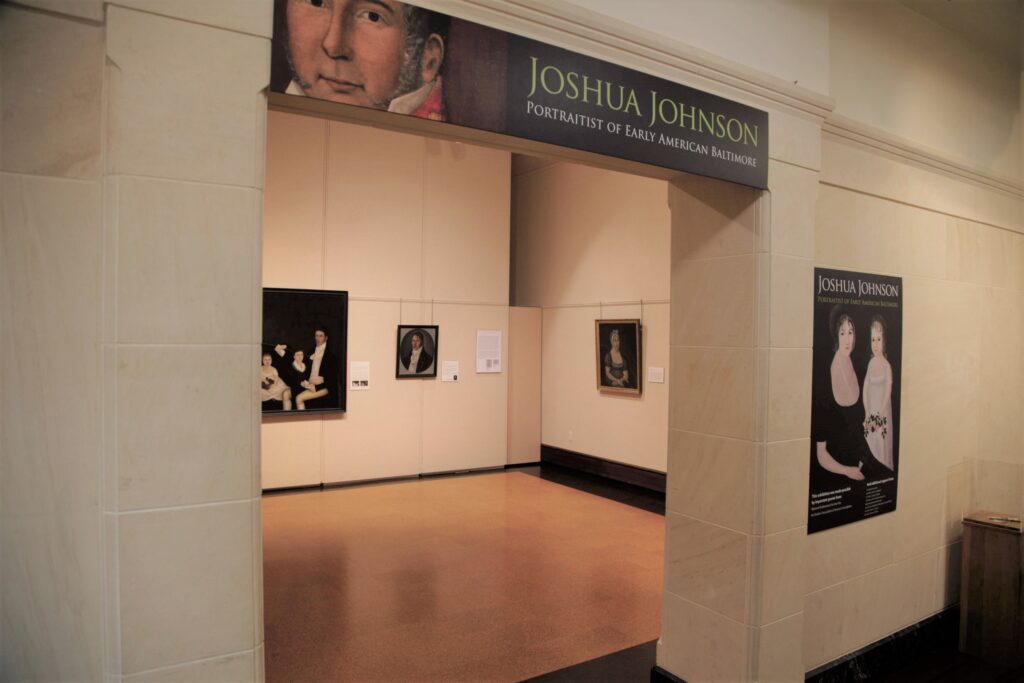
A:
<point x="618" y="356"/>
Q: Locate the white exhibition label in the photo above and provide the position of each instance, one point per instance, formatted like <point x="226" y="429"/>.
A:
<point x="359" y="375"/>
<point x="488" y="350"/>
<point x="656" y="375"/>
<point x="450" y="371"/>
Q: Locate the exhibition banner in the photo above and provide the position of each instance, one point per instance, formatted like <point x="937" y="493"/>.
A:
<point x="855" y="397"/>
<point x="404" y="59"/>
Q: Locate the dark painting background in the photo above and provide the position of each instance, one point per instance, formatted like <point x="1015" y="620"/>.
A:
<point x="430" y="334"/>
<point x="290" y="317"/>
<point x="629" y="338"/>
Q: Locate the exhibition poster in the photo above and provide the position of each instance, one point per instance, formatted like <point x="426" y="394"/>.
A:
<point x="855" y="397"/>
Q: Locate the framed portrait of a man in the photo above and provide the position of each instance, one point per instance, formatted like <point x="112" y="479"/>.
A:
<point x="416" y="355"/>
<point x="302" y="361"/>
<point x="618" y="351"/>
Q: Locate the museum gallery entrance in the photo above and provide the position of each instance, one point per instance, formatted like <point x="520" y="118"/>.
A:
<point x="501" y="574"/>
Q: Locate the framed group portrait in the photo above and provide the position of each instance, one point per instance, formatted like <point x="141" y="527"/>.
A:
<point x="304" y="348"/>
<point x="618" y="348"/>
<point x="416" y="352"/>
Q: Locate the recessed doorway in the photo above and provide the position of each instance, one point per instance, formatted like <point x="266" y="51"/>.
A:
<point x="398" y="569"/>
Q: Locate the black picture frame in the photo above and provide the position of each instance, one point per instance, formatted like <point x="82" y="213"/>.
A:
<point x="615" y="378"/>
<point x="291" y="318"/>
<point x="428" y="359"/>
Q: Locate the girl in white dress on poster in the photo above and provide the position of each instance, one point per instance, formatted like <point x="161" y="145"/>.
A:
<point x="878" y="397"/>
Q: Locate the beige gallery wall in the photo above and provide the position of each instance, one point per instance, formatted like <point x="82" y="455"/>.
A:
<point x="899" y="71"/>
<point x="525" y="353"/>
<point x="130" y="529"/>
<point x="961" y="439"/>
<point x="416" y="230"/>
<point x="760" y="35"/>
<point x="955" y="234"/>
<point x="589" y="244"/>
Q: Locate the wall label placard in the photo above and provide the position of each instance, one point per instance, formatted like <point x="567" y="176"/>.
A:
<point x="408" y="60"/>
<point x="488" y="351"/>
<point x="450" y="371"/>
<point x="359" y="375"/>
<point x="855" y="397"/>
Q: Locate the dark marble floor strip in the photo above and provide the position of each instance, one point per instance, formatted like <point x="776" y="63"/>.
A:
<point x="632" y="665"/>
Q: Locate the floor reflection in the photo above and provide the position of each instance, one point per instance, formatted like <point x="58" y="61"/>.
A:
<point x="492" y="577"/>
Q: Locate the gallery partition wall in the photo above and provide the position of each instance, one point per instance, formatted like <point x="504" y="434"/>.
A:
<point x="593" y="244"/>
<point x="416" y="231"/>
<point x="574" y="226"/>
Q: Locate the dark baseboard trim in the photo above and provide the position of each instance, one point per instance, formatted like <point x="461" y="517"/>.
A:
<point x="628" y="474"/>
<point x="459" y="473"/>
<point x="659" y="675"/>
<point x="304" y="488"/>
<point x="938" y="633"/>
<point x="389" y="480"/>
<point x="367" y="482"/>
<point x="519" y="465"/>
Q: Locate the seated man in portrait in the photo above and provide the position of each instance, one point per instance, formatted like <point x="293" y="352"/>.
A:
<point x="382" y="54"/>
<point x="317" y="374"/>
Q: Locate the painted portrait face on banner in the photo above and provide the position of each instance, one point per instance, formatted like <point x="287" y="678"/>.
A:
<point x="370" y="53"/>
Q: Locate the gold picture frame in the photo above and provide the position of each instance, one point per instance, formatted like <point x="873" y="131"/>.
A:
<point x="618" y="352"/>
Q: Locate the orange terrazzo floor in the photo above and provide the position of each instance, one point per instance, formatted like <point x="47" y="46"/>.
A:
<point x="490" y="577"/>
